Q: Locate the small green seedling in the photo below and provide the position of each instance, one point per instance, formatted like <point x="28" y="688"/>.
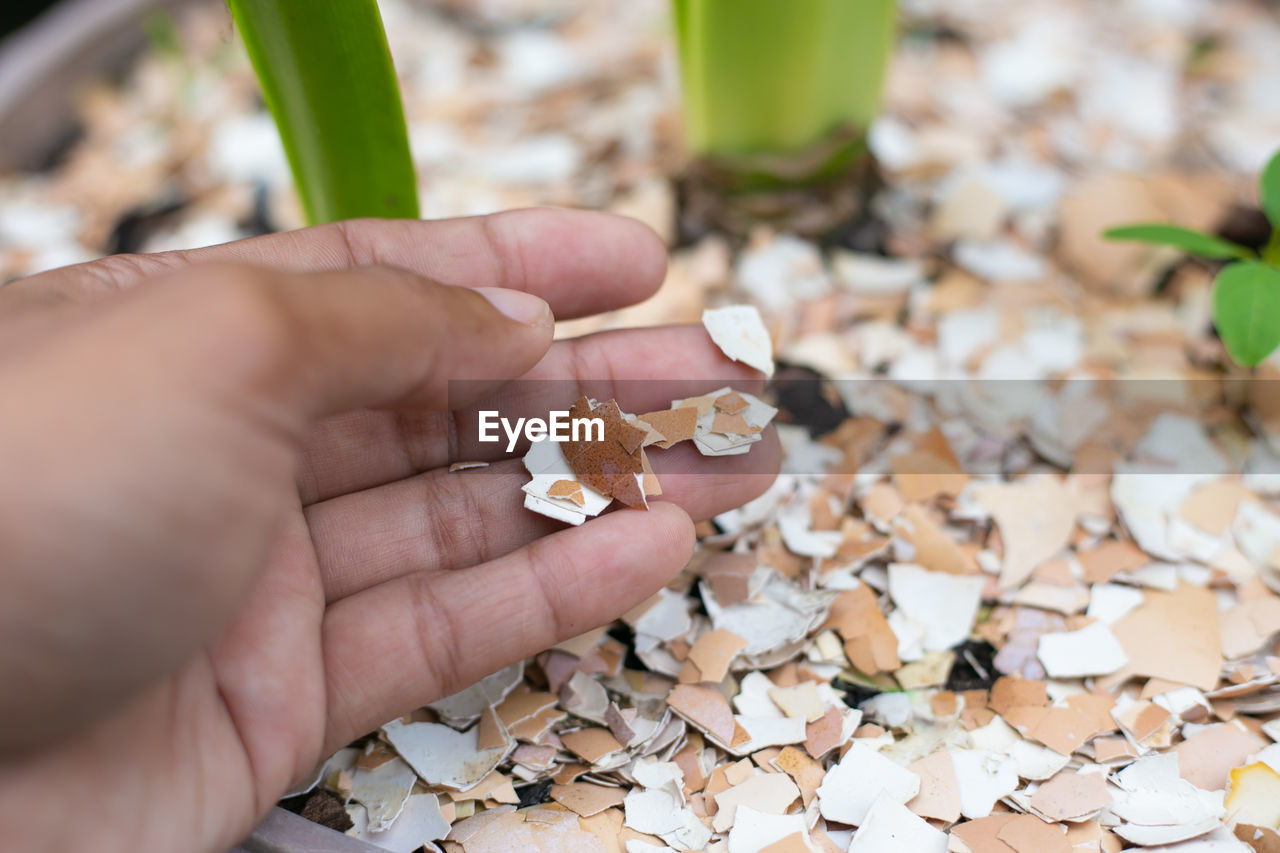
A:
<point x="1246" y="294"/>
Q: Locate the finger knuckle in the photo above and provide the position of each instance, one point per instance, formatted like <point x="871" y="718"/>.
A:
<point x="458" y="529"/>
<point x="439" y="656"/>
<point x="549" y="567"/>
<point x="507" y="252"/>
<point x="119" y="272"/>
<point x="356" y="239"/>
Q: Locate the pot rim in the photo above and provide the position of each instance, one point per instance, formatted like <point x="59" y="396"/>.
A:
<point x="44" y="64"/>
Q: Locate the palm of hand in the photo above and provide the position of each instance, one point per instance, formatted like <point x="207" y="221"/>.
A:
<point x="364" y="582"/>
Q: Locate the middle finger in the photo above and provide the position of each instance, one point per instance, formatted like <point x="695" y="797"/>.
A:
<point x="439" y="520"/>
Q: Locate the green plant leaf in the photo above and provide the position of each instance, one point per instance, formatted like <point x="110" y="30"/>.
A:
<point x="1191" y="242"/>
<point x="1269" y="190"/>
<point x="327" y="78"/>
<point x="1246" y="310"/>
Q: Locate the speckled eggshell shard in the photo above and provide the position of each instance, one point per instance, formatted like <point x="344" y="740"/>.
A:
<point x="612" y="466"/>
<point x="676" y="425"/>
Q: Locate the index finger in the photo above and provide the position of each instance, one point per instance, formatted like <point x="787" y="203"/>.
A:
<point x="579" y="262"/>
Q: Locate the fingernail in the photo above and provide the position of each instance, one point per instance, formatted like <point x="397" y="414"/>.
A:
<point x="516" y="304"/>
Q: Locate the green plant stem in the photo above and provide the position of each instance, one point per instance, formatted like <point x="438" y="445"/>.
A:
<point x="327" y="77"/>
<point x="777" y="76"/>
<point x="1271" y="253"/>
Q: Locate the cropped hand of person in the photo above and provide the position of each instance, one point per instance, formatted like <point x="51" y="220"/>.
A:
<point x="229" y="541"/>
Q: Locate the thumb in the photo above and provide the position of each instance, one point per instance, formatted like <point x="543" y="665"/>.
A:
<point x="321" y="343"/>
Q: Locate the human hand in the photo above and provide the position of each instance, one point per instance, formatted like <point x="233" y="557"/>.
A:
<point x="229" y="544"/>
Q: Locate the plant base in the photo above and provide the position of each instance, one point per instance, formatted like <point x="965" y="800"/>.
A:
<point x="811" y="194"/>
